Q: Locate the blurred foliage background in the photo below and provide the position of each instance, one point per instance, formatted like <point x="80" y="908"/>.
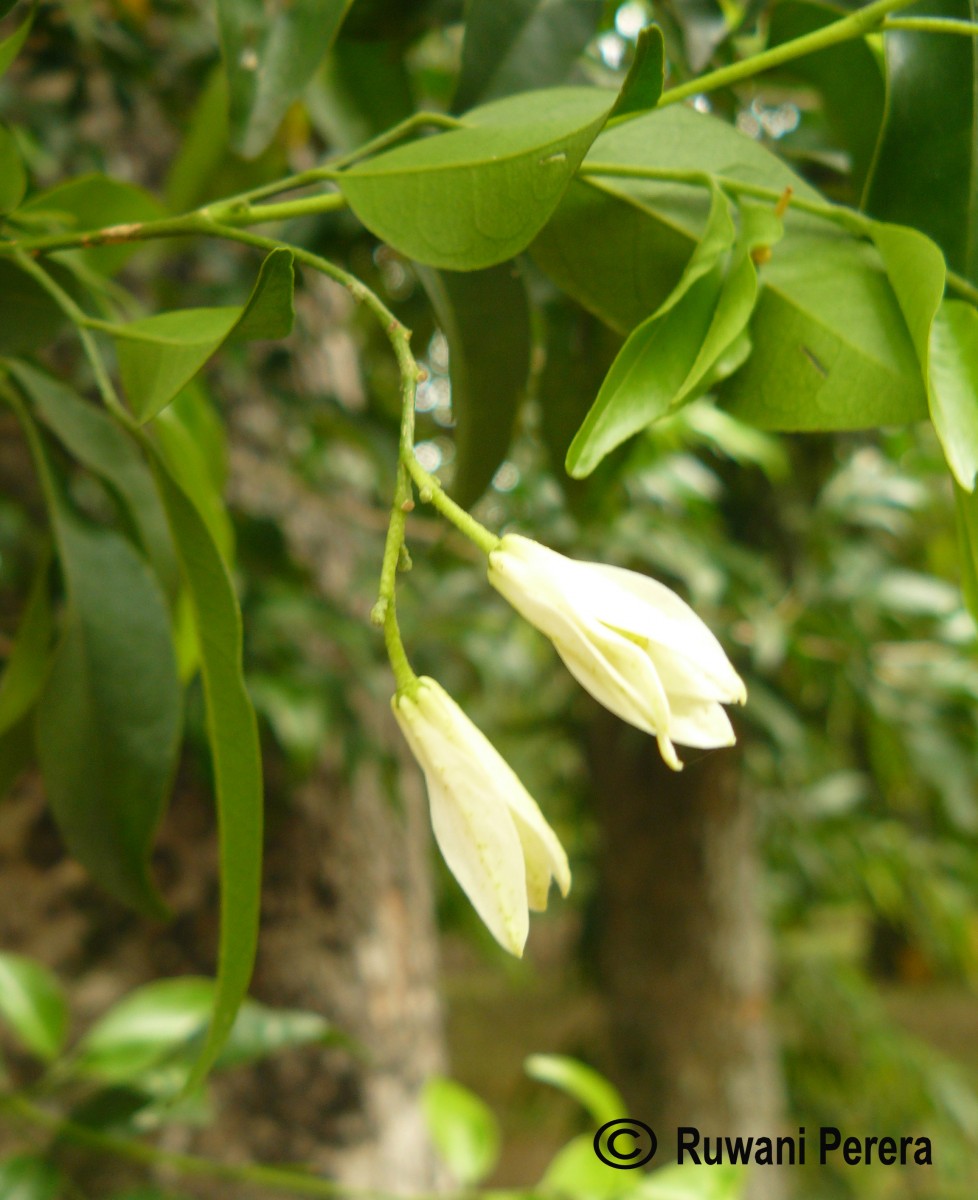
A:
<point x="826" y="563"/>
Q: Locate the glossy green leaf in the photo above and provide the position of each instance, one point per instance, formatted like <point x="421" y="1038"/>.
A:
<point x="673" y="355"/>
<point x="585" y="1085"/>
<point x="23" y="676"/>
<point x="110" y="715"/>
<point x="848" y="77"/>
<point x="516" y="45"/>
<point x="93" y="202"/>
<point x="32" y="1004"/>
<point x="954" y="387"/>
<point x="831" y="348"/>
<point x="95" y="440"/>
<point x="159" y="355"/>
<point x="232" y="732"/>
<point x="464" y="1130"/>
<point x="476" y="196"/>
<point x="25" y="1177"/>
<point x="926" y="168"/>
<point x="646" y="77"/>
<point x="11" y="46"/>
<point x="485" y="317"/>
<point x="13" y="177"/>
<point x="270" y="53"/>
<point x="162" y="1023"/>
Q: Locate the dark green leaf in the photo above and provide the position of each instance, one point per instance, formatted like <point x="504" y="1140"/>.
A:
<point x="203" y="148"/>
<point x="10" y="47"/>
<point x="270" y="53"/>
<point x="13" y="177"/>
<point x="109" y="717"/>
<point x="848" y="77"/>
<point x="29" y="318"/>
<point x="93" y="202"/>
<point x="235" y="753"/>
<point x="159" y="355"/>
<point x="97" y="442"/>
<point x="476" y="196"/>
<point x="32" y="1005"/>
<point x="590" y="1089"/>
<point x="486" y="320"/>
<point x="516" y="45"/>
<point x="23" y="676"/>
<point x="926" y="168"/>
<point x="463" y="1129"/>
<point x="25" y="1177"/>
<point x="966" y="504"/>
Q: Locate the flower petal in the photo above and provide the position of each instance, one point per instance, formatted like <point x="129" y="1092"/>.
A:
<point x="467" y="782"/>
<point x="703" y="724"/>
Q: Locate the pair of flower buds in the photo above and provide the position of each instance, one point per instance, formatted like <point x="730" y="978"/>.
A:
<point x="634" y="645"/>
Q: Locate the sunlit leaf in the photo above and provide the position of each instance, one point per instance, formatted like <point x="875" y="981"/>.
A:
<point x="32" y="1004"/>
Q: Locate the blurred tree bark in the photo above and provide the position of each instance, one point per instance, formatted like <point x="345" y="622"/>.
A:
<point x="683" y="943"/>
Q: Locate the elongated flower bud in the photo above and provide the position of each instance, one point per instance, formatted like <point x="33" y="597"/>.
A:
<point x="630" y="641"/>
<point x="489" y="829"/>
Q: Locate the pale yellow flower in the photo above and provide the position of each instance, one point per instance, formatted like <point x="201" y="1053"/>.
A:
<point x="489" y="829"/>
<point x="630" y="641"/>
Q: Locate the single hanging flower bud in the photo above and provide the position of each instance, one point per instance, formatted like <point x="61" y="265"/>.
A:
<point x="489" y="829"/>
<point x="630" y="641"/>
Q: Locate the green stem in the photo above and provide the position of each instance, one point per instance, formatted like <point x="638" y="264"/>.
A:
<point x="856" y="24"/>
<point x="80" y="320"/>
<point x="258" y="214"/>
<point x="838" y="213"/>
<point x="276" y="1178"/>
<point x="431" y="492"/>
<point x="932" y="25"/>
<point x="964" y="287"/>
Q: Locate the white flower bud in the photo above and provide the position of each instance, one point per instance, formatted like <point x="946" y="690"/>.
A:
<point x="630" y="641"/>
<point x="489" y="829"/>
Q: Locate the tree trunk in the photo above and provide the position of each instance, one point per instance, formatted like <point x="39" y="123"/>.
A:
<point x="684" y="946"/>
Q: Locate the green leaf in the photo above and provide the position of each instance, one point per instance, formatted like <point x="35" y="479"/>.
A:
<point x="646" y="77"/>
<point x="831" y="348"/>
<point x="847" y="76"/>
<point x="678" y="350"/>
<point x="270" y="53"/>
<point x="485" y="317"/>
<point x="159" y="355"/>
<point x="11" y="46"/>
<point x="110" y="715"/>
<point x="33" y="1005"/>
<point x="585" y="1085"/>
<point x="161" y="1024"/>
<point x="516" y="45"/>
<point x="96" y="441"/>
<point x="24" y="674"/>
<point x="954" y="387"/>
<point x="232" y="731"/>
<point x="575" y="1170"/>
<point x="93" y="202"/>
<point x="476" y="196"/>
<point x="926" y="168"/>
<point x="25" y="1177"/>
<point x="464" y="1130"/>
<point x="29" y="318"/>
<point x="13" y="177"/>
